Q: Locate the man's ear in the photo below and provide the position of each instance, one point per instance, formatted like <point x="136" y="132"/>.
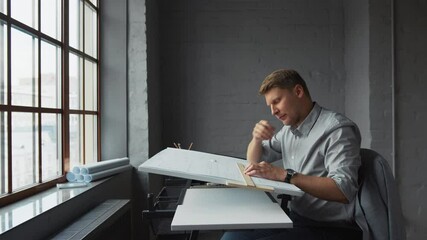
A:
<point x="299" y="90"/>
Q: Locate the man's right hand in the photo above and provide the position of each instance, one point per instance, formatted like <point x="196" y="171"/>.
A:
<point x="262" y="131"/>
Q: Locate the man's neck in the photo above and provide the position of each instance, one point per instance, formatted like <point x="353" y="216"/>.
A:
<point x="306" y="109"/>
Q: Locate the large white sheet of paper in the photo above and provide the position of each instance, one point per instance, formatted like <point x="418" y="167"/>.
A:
<point x="207" y="167"/>
<point x="228" y="208"/>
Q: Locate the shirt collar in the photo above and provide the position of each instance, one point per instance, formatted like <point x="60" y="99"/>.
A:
<point x="305" y="127"/>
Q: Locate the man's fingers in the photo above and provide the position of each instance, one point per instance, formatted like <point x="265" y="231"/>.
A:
<point x="266" y="125"/>
<point x="263" y="130"/>
<point x="252" y="173"/>
<point x="262" y="169"/>
<point x="248" y="168"/>
<point x="262" y="134"/>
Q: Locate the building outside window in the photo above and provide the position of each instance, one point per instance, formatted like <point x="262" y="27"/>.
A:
<point x="49" y="92"/>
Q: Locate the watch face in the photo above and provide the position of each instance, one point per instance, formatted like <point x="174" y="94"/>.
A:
<point x="290" y="173"/>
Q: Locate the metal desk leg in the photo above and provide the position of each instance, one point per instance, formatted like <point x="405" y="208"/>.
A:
<point x="194" y="234"/>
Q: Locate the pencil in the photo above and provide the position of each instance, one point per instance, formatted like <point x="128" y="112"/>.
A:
<point x="175" y="145"/>
<point x="191" y="144"/>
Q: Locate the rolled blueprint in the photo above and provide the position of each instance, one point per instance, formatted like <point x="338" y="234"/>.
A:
<point x="103" y="165"/>
<point x="80" y="177"/>
<point x="106" y="173"/>
<point x="76" y="170"/>
<point x="71" y="177"/>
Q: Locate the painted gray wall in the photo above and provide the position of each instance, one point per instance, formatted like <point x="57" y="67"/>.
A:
<point x="411" y="113"/>
<point x="368" y="64"/>
<point x="125" y="83"/>
<point x="113" y="79"/>
<point x="153" y="79"/>
<point x="214" y="55"/>
<point x="356" y="58"/>
<point x="381" y="89"/>
<point x="207" y="58"/>
<point x="138" y="135"/>
<point x="396" y="96"/>
<point x="124" y="94"/>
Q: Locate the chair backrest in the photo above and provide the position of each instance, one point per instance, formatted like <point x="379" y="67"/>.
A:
<point x="378" y="199"/>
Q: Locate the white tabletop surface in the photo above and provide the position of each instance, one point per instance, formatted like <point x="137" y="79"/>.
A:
<point x="228" y="208"/>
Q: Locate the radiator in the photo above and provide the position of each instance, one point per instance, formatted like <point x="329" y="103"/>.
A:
<point x="96" y="224"/>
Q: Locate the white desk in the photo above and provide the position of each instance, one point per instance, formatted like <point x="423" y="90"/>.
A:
<point x="228" y="208"/>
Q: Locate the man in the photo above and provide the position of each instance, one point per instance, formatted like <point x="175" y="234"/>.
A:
<point x="320" y="153"/>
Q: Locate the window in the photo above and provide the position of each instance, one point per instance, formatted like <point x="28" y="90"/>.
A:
<point x="49" y="92"/>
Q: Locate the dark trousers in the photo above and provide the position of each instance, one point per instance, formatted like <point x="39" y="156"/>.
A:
<point x="303" y="229"/>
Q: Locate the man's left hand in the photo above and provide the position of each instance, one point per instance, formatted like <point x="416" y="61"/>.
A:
<point x="265" y="170"/>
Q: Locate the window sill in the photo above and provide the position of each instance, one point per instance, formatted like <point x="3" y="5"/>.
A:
<point x="22" y="211"/>
<point x="45" y="214"/>
<point x="17" y="213"/>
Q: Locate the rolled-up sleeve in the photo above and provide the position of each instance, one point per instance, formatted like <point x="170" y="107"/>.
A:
<point x="342" y="159"/>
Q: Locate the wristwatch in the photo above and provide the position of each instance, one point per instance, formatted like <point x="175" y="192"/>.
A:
<point x="290" y="173"/>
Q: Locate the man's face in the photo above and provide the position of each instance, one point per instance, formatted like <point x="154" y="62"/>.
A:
<point x="285" y="104"/>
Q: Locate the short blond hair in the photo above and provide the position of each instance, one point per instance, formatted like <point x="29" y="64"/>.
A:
<point x="283" y="78"/>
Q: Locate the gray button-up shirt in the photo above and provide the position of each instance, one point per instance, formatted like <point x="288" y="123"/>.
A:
<point x="326" y="144"/>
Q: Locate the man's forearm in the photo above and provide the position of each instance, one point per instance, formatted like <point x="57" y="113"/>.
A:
<point x="321" y="187"/>
<point x="254" y="151"/>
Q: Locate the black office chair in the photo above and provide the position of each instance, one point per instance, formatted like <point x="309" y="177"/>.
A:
<point x="378" y="209"/>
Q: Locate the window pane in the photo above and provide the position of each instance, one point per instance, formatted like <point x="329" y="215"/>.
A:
<point x="51" y="18"/>
<point x="3" y="152"/>
<point x="51" y="75"/>
<point x="25" y="11"/>
<point x="91" y="135"/>
<point x="51" y="146"/>
<point x="24" y="149"/>
<point x="90" y="31"/>
<point x="24" y="69"/>
<point x="3" y="6"/>
<point x="3" y="63"/>
<point x="76" y="82"/>
<point x="94" y="2"/>
<point x="90" y="86"/>
<point x="76" y="24"/>
<point x="76" y="140"/>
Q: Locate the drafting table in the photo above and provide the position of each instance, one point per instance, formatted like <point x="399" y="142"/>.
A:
<point x="228" y="208"/>
<point x="213" y="168"/>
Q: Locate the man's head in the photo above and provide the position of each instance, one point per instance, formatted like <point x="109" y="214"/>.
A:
<point x="285" y="79"/>
<point x="287" y="95"/>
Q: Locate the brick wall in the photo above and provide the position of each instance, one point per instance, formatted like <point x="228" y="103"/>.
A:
<point x="214" y="55"/>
